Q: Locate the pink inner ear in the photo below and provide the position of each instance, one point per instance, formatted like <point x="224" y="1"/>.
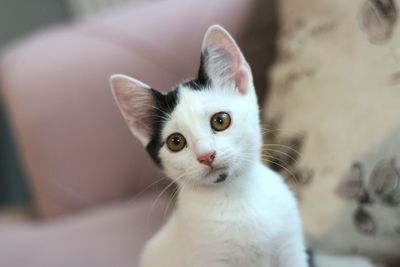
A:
<point x="239" y="68"/>
<point x="242" y="81"/>
<point x="135" y="102"/>
<point x="128" y="100"/>
<point x="143" y="127"/>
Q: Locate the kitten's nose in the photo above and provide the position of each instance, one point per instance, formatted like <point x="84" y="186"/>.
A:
<point x="207" y="158"/>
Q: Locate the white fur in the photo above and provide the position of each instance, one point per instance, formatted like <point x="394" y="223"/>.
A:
<point x="249" y="220"/>
<point x="256" y="225"/>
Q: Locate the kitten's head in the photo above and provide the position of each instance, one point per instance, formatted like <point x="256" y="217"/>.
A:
<point x="205" y="130"/>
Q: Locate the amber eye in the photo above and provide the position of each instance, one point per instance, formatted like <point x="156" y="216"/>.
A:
<point x="220" y="121"/>
<point x="176" y="142"/>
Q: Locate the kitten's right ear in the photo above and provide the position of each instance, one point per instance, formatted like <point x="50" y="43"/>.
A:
<point x="136" y="102"/>
<point x="223" y="62"/>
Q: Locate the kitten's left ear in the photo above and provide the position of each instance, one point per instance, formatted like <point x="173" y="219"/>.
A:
<point x="136" y="103"/>
<point x="223" y="61"/>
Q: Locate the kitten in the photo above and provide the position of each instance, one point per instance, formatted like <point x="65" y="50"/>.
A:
<point x="205" y="134"/>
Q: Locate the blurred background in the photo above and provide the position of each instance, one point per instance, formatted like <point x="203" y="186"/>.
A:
<point x="76" y="189"/>
<point x="19" y="18"/>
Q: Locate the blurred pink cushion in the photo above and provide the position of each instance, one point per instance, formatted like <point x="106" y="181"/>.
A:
<point x="75" y="147"/>
<point x="113" y="235"/>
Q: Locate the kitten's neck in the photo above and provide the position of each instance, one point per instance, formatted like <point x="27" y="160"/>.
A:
<point x="208" y="203"/>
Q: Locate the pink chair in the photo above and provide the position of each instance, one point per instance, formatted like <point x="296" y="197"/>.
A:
<point x="76" y="150"/>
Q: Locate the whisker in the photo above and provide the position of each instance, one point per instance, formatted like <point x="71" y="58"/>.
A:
<point x="150" y="185"/>
<point x="282" y="153"/>
<point x="272" y="162"/>
<point x="172" y="199"/>
<point x="283" y="146"/>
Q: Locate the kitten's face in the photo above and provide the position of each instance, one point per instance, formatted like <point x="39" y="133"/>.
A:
<point x="221" y="134"/>
<point x="205" y="131"/>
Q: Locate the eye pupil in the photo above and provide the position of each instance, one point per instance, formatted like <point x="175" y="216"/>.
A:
<point x="176" y="141"/>
<point x="220" y="120"/>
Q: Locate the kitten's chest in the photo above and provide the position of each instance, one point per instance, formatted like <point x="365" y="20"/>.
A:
<point x="242" y="228"/>
<point x="242" y="242"/>
<point x="239" y="233"/>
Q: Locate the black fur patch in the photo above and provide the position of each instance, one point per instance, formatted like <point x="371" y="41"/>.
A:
<point x="222" y="177"/>
<point x="164" y="104"/>
<point x="202" y="81"/>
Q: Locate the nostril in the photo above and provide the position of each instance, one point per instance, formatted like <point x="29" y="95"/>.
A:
<point x="212" y="157"/>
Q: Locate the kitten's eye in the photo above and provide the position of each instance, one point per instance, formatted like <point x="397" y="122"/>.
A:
<point x="220" y="121"/>
<point x="176" y="142"/>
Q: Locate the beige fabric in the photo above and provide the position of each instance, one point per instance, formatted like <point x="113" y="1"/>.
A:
<point x="343" y="94"/>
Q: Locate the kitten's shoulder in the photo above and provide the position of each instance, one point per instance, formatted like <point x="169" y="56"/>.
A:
<point x="266" y="174"/>
<point x="274" y="184"/>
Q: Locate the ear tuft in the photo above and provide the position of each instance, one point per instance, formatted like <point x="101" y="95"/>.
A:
<point x="136" y="103"/>
<point x="223" y="60"/>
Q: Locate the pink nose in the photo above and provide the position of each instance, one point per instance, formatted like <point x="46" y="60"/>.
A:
<point x="207" y="158"/>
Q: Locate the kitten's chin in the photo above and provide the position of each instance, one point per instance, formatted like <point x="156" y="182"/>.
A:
<point x="217" y="175"/>
<point x="209" y="177"/>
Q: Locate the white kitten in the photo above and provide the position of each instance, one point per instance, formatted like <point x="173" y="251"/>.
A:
<point x="205" y="134"/>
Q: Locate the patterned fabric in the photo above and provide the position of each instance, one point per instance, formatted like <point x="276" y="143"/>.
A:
<point x="333" y="128"/>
